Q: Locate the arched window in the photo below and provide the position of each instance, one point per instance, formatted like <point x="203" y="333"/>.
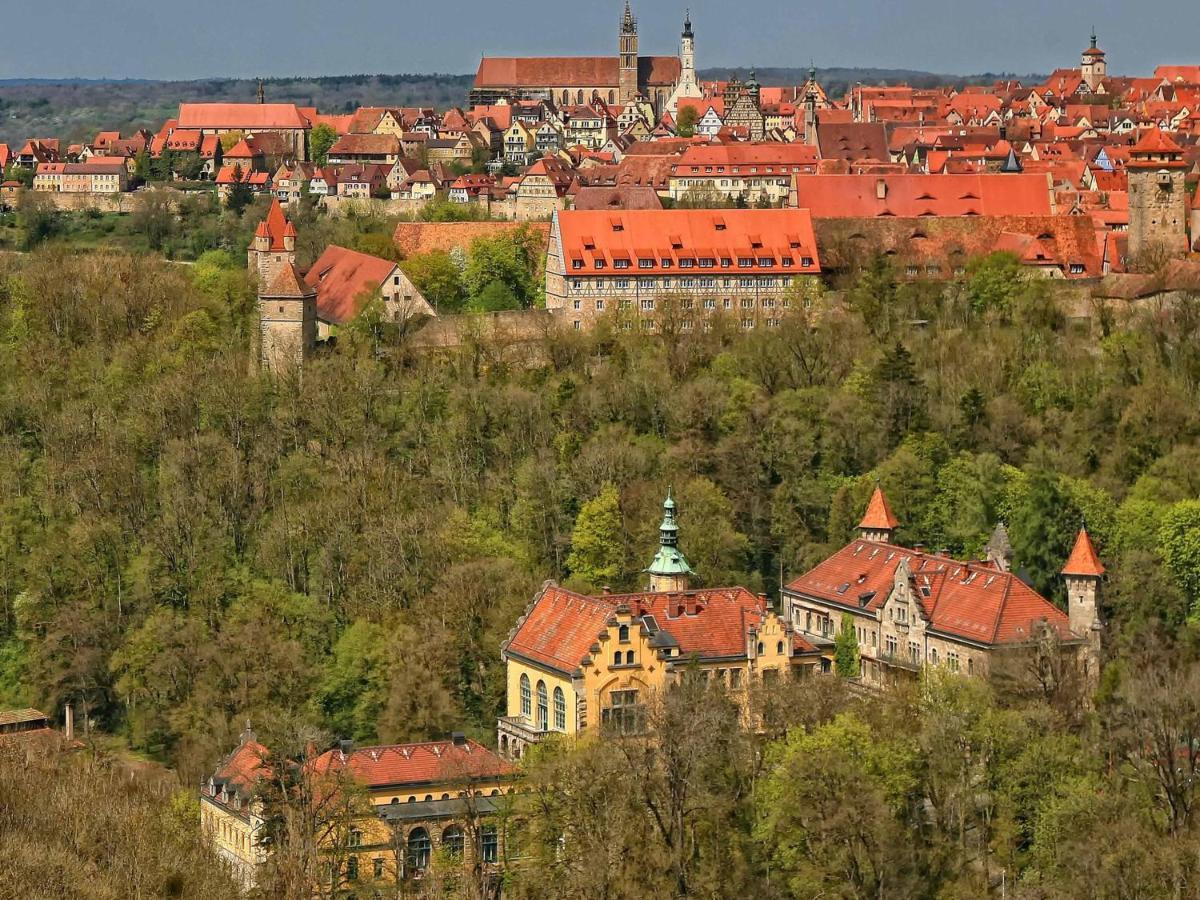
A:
<point x="418" y="849"/>
<point x="779" y="648"/>
<point x="395" y="799"/>
<point x="760" y="648"/>
<point x="623" y="634"/>
<point x="452" y="840"/>
<point x="612" y="97"/>
<point x="579" y="96"/>
<point x="503" y="747"/>
<point x="629" y="657"/>
<point x="566" y="97"/>
<point x="560" y="709"/>
<point x="543" y="712"/>
<point x="526" y="702"/>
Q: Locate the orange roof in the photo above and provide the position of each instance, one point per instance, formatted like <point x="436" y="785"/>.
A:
<point x="633" y="242"/>
<point x="244" y="766"/>
<point x="345" y="280"/>
<point x="571" y="71"/>
<point x="276" y="224"/>
<point x="1083" y="559"/>
<point x="858" y="196"/>
<point x="1156" y="141"/>
<point x="971" y="601"/>
<point x="288" y="283"/>
<point x="233" y="116"/>
<point x="765" y="156"/>
<point x="412" y="764"/>
<point x="879" y="514"/>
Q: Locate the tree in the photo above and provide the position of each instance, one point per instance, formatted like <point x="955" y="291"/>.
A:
<point x="1179" y="544"/>
<point x="1042" y="530"/>
<point x="508" y="259"/>
<point x="845" y="649"/>
<point x="899" y="393"/>
<point x="320" y="139"/>
<point x="438" y="279"/>
<point x="597" y="542"/>
<point x="685" y="121"/>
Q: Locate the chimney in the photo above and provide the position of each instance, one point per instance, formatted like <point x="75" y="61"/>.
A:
<point x="607" y="590"/>
<point x="346" y="747"/>
<point x="458" y="739"/>
<point x="69" y="725"/>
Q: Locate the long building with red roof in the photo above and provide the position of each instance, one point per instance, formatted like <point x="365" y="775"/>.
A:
<point x="911" y="609"/>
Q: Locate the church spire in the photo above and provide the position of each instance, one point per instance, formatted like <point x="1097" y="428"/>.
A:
<point x="628" y="22"/>
<point x="669" y="570"/>
<point x="687" y="23"/>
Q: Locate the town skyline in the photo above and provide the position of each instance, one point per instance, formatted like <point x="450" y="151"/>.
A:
<point x="855" y="35"/>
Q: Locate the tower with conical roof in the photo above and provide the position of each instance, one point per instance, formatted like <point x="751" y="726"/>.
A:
<point x="274" y="245"/>
<point x="688" y="85"/>
<point x="669" y="570"/>
<point x="1157" y="174"/>
<point x="287" y="320"/>
<point x="627" y="78"/>
<point x="878" y="523"/>
<point x="1082" y="574"/>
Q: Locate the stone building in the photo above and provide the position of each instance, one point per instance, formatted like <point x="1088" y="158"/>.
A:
<point x="566" y="81"/>
<point x="911" y="609"/>
<point x="1093" y="68"/>
<point x="581" y="664"/>
<point x="640" y="265"/>
<point x="1157" y="196"/>
<point x="287" y="316"/>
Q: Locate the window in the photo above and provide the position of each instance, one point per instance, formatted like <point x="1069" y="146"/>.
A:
<point x="645" y="264"/>
<point x="543" y="710"/>
<point x="452" y="840"/>
<point x="933" y="655"/>
<point x="623" y="634"/>
<point x="735" y="677"/>
<point x="620" y="264"/>
<point x="377" y="870"/>
<point x="647" y="303"/>
<point x="418" y="849"/>
<point x="623" y="714"/>
<point x="952" y="660"/>
<point x="560" y="709"/>
<point x="526" y="700"/>
<point x="890" y="644"/>
<point x="600" y="304"/>
<point x="355" y="837"/>
<point x="489" y="843"/>
<point x="352" y="868"/>
<point x="629" y="657"/>
<point x="779" y="647"/>
<point x="914" y="652"/>
<point x="578" y="303"/>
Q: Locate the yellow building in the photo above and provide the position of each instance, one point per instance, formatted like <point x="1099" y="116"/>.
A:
<point x="578" y="664"/>
<point x="230" y="814"/>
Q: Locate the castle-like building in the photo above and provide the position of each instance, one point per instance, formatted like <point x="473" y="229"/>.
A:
<point x="576" y="80"/>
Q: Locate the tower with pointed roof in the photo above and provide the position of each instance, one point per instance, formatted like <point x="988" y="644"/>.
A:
<point x="1157" y="197"/>
<point x="810" y="108"/>
<point x="669" y="570"/>
<point x="878" y="523"/>
<point x="287" y="319"/>
<point x="689" y="85"/>
<point x="274" y="245"/>
<point x="1092" y="67"/>
<point x="627" y="78"/>
<point x="1082" y="574"/>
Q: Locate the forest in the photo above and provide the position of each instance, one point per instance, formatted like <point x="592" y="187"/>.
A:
<point x="186" y="544"/>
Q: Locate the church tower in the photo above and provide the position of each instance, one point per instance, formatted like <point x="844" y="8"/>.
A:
<point x="1082" y="574"/>
<point x="1092" y="67"/>
<point x="669" y="570"/>
<point x="1157" y="196"/>
<point x="287" y="321"/>
<point x="810" y="108"/>
<point x="628" y="78"/>
<point x="689" y="85"/>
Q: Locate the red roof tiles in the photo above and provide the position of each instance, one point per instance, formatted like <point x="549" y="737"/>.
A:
<point x="1083" y="559"/>
<point x="879" y="515"/>
<point x="345" y="281"/>
<point x="413" y="764"/>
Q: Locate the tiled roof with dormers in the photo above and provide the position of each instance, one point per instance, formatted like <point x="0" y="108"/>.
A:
<point x="398" y="765"/>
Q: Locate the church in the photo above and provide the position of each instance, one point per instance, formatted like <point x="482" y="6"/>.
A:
<point x="577" y="80"/>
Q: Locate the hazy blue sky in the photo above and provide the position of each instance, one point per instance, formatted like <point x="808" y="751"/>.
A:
<point x="171" y="39"/>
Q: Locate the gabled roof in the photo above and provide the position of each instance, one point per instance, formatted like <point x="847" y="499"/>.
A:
<point x="288" y="282"/>
<point x="879" y="515"/>
<point x="971" y="601"/>
<point x="916" y="195"/>
<point x="1083" y="559"/>
<point x="286" y="116"/>
<point x="345" y="280"/>
<point x="571" y="71"/>
<point x="430" y="762"/>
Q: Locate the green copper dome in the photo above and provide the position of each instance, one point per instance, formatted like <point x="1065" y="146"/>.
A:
<point x="669" y="560"/>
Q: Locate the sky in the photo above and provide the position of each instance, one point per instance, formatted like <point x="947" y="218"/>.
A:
<point x="169" y="39"/>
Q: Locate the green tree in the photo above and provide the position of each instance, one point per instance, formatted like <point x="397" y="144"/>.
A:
<point x="320" y="139"/>
<point x="508" y="259"/>
<point x="598" y="541"/>
<point x="438" y="279"/>
<point x="1179" y="544"/>
<point x="685" y="121"/>
<point x="845" y="649"/>
<point x="1042" y="530"/>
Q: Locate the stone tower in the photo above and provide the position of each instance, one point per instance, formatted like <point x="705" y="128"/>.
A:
<point x="1082" y="574"/>
<point x="878" y="523"/>
<point x="1157" y="199"/>
<point x="287" y="321"/>
<point x="810" y="108"/>
<point x="669" y="571"/>
<point x="628" y="77"/>
<point x="274" y="245"/>
<point x="689" y="85"/>
<point x="1092" y="66"/>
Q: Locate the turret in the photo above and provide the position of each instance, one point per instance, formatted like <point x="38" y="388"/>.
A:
<point x="1092" y="67"/>
<point x="289" y="237"/>
<point x="669" y="570"/>
<point x="878" y="523"/>
<point x="1082" y="574"/>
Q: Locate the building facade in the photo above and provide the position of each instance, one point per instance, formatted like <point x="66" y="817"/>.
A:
<point x="581" y="664"/>
<point x="1158" y="211"/>
<point x="747" y="264"/>
<point x="911" y="609"/>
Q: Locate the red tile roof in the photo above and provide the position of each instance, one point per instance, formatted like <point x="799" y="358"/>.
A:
<point x="562" y="626"/>
<point x="836" y="196"/>
<point x="244" y="766"/>
<point x="571" y="71"/>
<point x="1083" y="559"/>
<point x="236" y="116"/>
<point x="345" y="281"/>
<point x="366" y="145"/>
<point x="288" y="283"/>
<point x="879" y="515"/>
<point x="972" y="601"/>
<point x="427" y="237"/>
<point x="398" y="765"/>
<point x="696" y="235"/>
<point x="767" y="157"/>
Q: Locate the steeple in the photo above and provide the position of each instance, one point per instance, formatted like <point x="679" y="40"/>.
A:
<point x="262" y="91"/>
<point x="1082" y="574"/>
<point x="669" y="570"/>
<point x="627" y="42"/>
<point x="687" y="23"/>
<point x="628" y="22"/>
<point x="1092" y="67"/>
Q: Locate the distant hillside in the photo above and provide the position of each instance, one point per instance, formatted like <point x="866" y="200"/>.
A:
<point x="75" y="109"/>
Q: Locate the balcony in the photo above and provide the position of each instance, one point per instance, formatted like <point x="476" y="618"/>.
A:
<point x="514" y="734"/>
